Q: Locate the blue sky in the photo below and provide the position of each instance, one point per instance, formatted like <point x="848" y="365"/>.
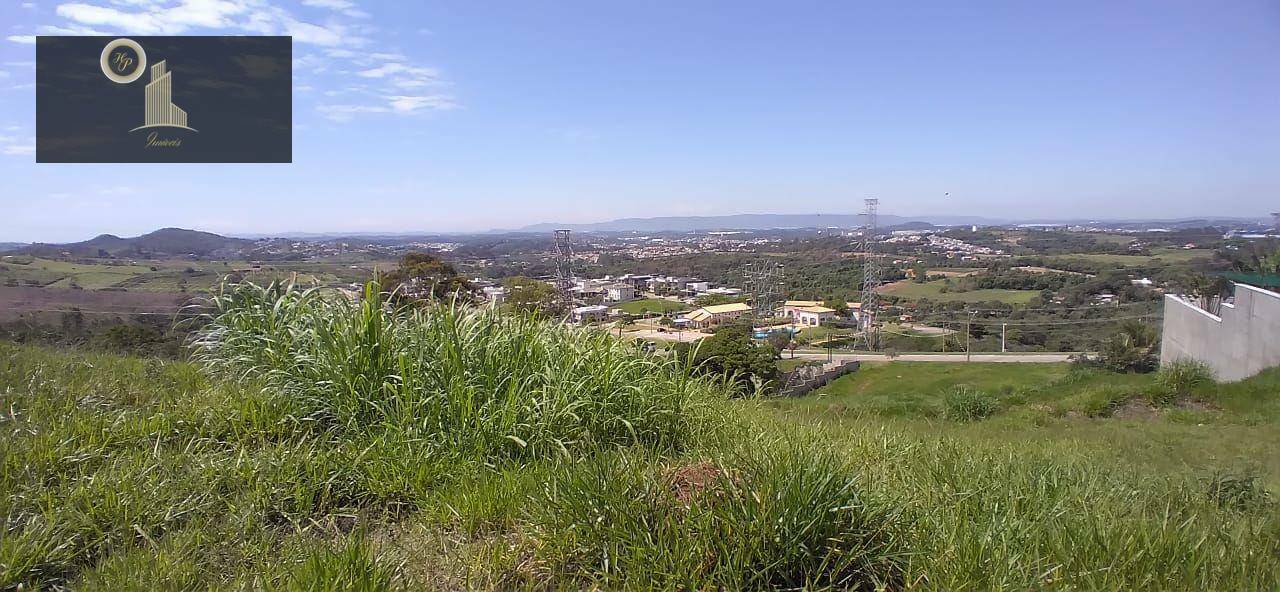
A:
<point x="457" y="116"/>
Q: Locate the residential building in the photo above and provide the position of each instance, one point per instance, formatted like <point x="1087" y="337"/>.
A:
<point x="619" y="292"/>
<point x="698" y="287"/>
<point x="812" y="316"/>
<point x="790" y="307"/>
<point x="708" y="316"/>
<point x="495" y="295"/>
<point x="586" y="314"/>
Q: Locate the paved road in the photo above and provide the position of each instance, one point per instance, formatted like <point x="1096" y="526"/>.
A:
<point x="668" y="335"/>
<point x="1047" y="358"/>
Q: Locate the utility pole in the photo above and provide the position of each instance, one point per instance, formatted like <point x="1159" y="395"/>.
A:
<point x="1003" y="329"/>
<point x="968" y="336"/>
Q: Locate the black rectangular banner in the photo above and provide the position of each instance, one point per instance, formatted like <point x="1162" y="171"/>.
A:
<point x="164" y="99"/>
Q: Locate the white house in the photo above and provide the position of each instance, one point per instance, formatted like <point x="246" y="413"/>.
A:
<point x="496" y="295"/>
<point x="585" y="314"/>
<point x="619" y="292"/>
<point x="812" y="316"/>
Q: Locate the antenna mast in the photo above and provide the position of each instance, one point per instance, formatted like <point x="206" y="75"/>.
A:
<point x="870" y="277"/>
<point x="764" y="281"/>
<point x="564" y="266"/>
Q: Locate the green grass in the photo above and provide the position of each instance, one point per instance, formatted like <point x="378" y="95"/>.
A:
<point x="1230" y="427"/>
<point x="320" y="444"/>
<point x="933" y="291"/>
<point x="651" y="305"/>
<point x="167" y="276"/>
<point x="788" y="364"/>
<point x="1160" y="255"/>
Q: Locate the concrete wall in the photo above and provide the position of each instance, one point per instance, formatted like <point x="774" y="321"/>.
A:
<point x="1241" y="341"/>
<point x="795" y="385"/>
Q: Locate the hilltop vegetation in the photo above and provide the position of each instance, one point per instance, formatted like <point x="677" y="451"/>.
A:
<point x="321" y="443"/>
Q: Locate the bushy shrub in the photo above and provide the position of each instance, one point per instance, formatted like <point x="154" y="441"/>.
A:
<point x="465" y="379"/>
<point x="1102" y="402"/>
<point x="1132" y="349"/>
<point x="965" y="403"/>
<point x="1181" y="377"/>
<point x="1237" y="491"/>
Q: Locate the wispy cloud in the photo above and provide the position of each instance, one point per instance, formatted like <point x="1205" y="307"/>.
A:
<point x="17" y="146"/>
<point x="343" y="6"/>
<point x="332" y="38"/>
<point x="394" y="104"/>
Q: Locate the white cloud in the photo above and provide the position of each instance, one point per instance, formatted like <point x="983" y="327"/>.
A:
<point x="72" y="30"/>
<point x="18" y="148"/>
<point x="409" y="104"/>
<point x="395" y="104"/>
<point x="177" y="17"/>
<point x="343" y="6"/>
<point x="347" y="112"/>
<point x="391" y="68"/>
<point x="339" y="27"/>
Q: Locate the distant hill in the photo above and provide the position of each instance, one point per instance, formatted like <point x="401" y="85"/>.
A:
<point x="754" y="222"/>
<point x="166" y="241"/>
<point x="11" y="246"/>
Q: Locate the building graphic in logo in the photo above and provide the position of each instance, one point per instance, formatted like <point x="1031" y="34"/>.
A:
<point x="160" y="110"/>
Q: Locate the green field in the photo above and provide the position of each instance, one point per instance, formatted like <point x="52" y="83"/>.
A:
<point x="652" y="305"/>
<point x="325" y="444"/>
<point x="933" y="291"/>
<point x="166" y="275"/>
<point x="1158" y="256"/>
<point x="1230" y="428"/>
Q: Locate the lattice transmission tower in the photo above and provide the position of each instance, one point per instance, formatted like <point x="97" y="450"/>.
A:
<point x="564" y="266"/>
<point x="870" y="276"/>
<point x="765" y="283"/>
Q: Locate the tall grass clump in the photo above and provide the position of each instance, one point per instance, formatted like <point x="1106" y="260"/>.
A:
<point x="965" y="403"/>
<point x="1182" y="377"/>
<point x="467" y="379"/>
<point x="763" y="516"/>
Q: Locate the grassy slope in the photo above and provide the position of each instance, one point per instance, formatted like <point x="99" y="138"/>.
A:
<point x="115" y="471"/>
<point x="933" y="291"/>
<point x="1049" y="405"/>
<point x="651" y="305"/>
<point x="1163" y="255"/>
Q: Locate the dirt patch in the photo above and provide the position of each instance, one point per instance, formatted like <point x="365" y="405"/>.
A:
<point x="1136" y="409"/>
<point x="1192" y="404"/>
<point x="692" y="481"/>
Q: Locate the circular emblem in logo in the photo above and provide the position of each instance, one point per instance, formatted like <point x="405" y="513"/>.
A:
<point x="123" y="61"/>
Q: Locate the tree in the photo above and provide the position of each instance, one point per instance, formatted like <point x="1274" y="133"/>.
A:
<point x="1131" y="349"/>
<point x="840" y="306"/>
<point x="730" y="352"/>
<point x="778" y="340"/>
<point x="528" y="295"/>
<point x="920" y="272"/>
<point x="424" y="276"/>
